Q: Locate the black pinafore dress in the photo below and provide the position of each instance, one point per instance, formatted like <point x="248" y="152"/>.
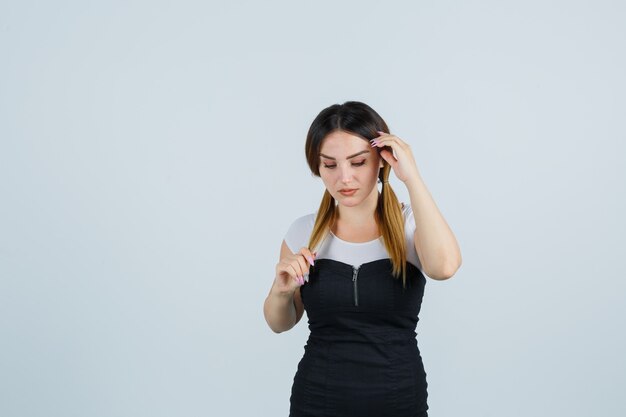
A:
<point x="361" y="357"/>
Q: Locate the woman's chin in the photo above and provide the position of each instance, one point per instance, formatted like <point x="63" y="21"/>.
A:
<point x="348" y="201"/>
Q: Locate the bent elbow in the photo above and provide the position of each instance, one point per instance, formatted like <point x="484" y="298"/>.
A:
<point x="439" y="277"/>
<point x="445" y="272"/>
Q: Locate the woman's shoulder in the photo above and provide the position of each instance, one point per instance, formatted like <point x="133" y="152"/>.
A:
<point x="299" y="230"/>
<point x="304" y="220"/>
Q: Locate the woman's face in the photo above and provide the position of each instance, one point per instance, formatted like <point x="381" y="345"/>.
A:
<point x="348" y="162"/>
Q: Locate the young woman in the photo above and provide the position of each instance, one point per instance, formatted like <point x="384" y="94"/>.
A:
<point x="357" y="267"/>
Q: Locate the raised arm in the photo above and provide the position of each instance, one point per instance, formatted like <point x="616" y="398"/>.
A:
<point x="283" y="306"/>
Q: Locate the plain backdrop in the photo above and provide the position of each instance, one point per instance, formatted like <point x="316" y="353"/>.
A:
<point x="152" y="159"/>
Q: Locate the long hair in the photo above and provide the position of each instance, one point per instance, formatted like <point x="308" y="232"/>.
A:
<point x="361" y="120"/>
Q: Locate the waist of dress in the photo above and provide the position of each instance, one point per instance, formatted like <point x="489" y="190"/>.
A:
<point x="390" y="336"/>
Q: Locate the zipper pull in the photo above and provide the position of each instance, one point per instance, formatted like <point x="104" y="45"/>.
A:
<point x="355" y="270"/>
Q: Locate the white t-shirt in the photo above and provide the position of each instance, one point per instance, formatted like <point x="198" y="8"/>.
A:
<point x="351" y="253"/>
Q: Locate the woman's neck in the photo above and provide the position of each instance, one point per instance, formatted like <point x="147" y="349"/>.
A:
<point x="361" y="215"/>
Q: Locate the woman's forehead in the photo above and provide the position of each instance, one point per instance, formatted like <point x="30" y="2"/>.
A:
<point x="343" y="144"/>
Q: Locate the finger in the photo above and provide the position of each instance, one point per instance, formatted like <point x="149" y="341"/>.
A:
<point x="293" y="268"/>
<point x="296" y="274"/>
<point x="395" y="139"/>
<point x="302" y="264"/>
<point x="392" y="142"/>
<point x="289" y="269"/>
<point x="295" y="265"/>
<point x="389" y="157"/>
<point x="381" y="142"/>
<point x="388" y="136"/>
<point x="384" y="140"/>
<point x="308" y="255"/>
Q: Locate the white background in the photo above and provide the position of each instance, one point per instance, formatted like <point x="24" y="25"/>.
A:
<point x="152" y="158"/>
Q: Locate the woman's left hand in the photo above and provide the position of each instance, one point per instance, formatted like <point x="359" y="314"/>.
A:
<point x="403" y="163"/>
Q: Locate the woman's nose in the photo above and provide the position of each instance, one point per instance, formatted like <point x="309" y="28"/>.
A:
<point x="346" y="174"/>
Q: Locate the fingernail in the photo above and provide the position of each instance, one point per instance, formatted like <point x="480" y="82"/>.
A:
<point x="301" y="280"/>
<point x="306" y="277"/>
<point x="310" y="260"/>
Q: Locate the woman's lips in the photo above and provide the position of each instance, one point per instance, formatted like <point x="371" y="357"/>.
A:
<point x="348" y="193"/>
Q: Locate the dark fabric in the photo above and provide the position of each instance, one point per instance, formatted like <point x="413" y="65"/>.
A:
<point x="361" y="357"/>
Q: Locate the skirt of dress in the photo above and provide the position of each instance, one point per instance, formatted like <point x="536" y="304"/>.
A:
<point x="345" y="379"/>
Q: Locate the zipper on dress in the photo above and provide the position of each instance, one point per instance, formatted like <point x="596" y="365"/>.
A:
<point x="355" y="271"/>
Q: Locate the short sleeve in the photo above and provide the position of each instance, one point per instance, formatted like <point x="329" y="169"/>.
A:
<point x="409" y="231"/>
<point x="298" y="233"/>
<point x="409" y="219"/>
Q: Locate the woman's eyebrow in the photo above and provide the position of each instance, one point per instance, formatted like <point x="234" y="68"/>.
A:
<point x="348" y="157"/>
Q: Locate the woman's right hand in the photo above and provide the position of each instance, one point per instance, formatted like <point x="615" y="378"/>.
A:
<point x="290" y="271"/>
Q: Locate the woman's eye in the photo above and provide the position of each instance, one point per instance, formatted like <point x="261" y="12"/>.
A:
<point x="356" y="164"/>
